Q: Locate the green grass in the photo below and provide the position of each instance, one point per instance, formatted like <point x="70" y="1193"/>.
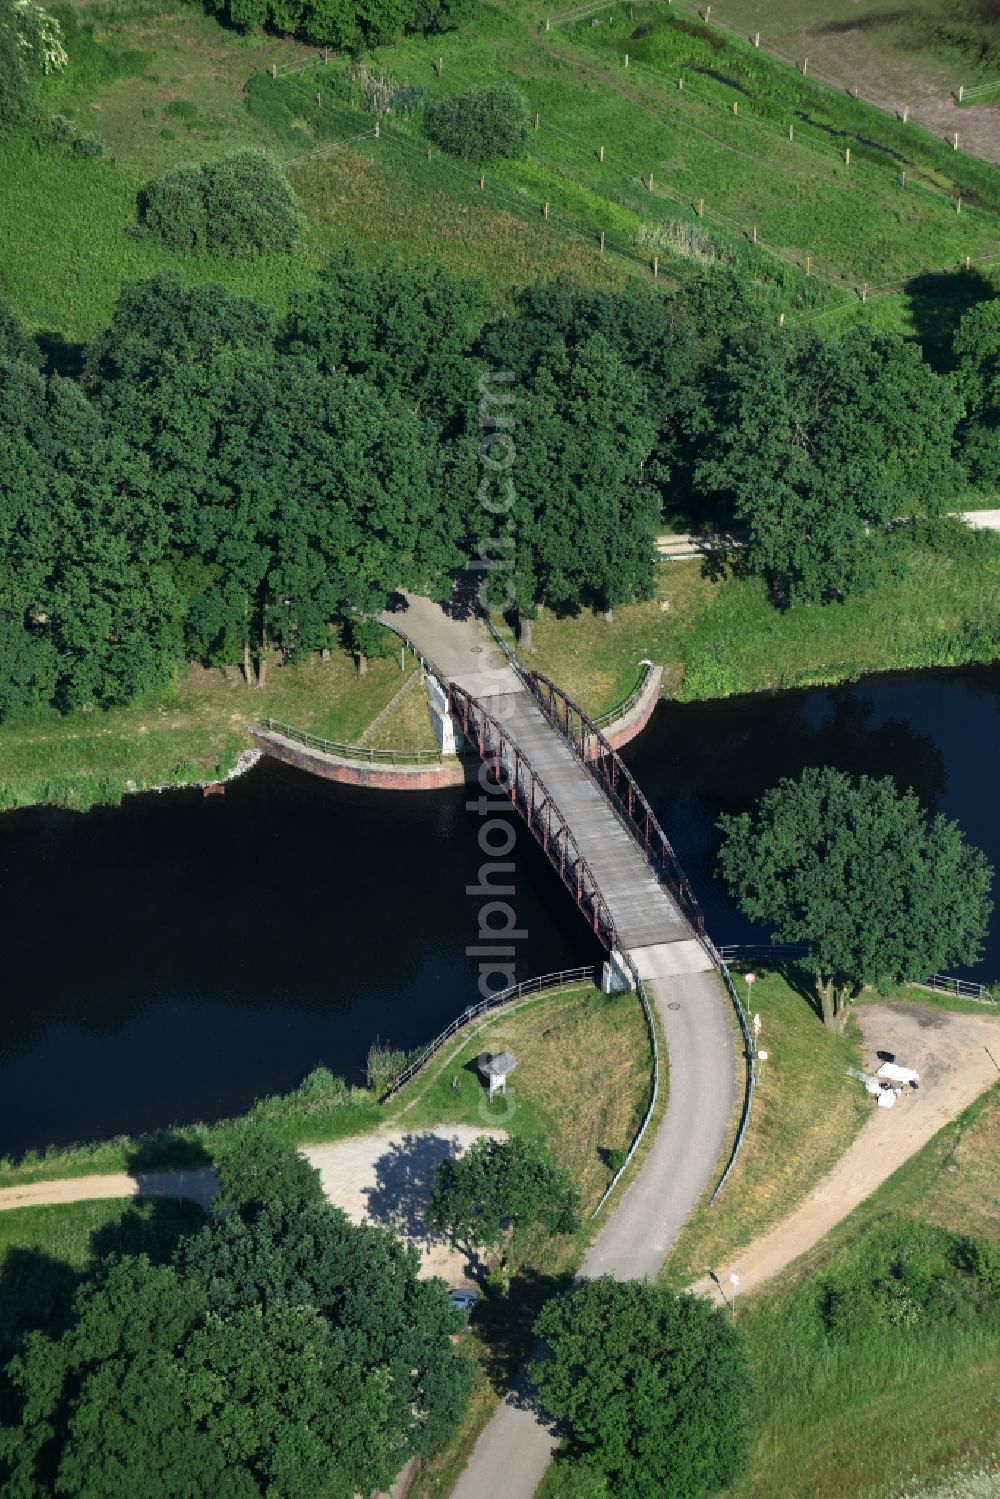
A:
<point x="192" y="732"/>
<point x="163" y="84"/>
<point x="715" y="639"/>
<point x="806" y="1112"/>
<point x="581" y="1085"/>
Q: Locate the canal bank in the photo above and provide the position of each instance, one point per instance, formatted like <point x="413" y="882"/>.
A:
<point x="215" y="950"/>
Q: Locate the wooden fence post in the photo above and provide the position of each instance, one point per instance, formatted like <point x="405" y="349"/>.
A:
<point x="809" y="265"/>
<point x="680" y="84"/>
<point x="754" y="234"/>
<point x="903" y="184"/>
<point x="602" y="241"/>
<point x="961" y="92"/>
<point x="847" y="156"/>
<point x="736" y="106"/>
<point x="756" y="38"/>
<point x="958" y="205"/>
<point x="791" y="132"/>
<point x="650" y="182"/>
<point x="626" y="59"/>
<point x="656" y="266"/>
<point x="439" y="67"/>
<point x="968" y="262"/>
<point x="545" y="210"/>
<point x="955" y="142"/>
<point x="805" y="66"/>
<point x="906" y="113"/>
<point x="274" y="72"/>
<point x="538" y="121"/>
<point x="781" y="320"/>
<point x="600" y="154"/>
<point x="482" y="184"/>
<point x="864" y="291"/>
<point x="376" y="129"/>
<point x="701" y="208"/>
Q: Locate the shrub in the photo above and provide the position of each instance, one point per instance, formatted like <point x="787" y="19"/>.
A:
<point x="240" y="205"/>
<point x="88" y="146"/>
<point x="482" y="124"/>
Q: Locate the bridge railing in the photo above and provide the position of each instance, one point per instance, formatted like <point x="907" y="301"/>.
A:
<point x="622" y="791"/>
<point x="511" y="770"/>
<point x="351" y="751"/>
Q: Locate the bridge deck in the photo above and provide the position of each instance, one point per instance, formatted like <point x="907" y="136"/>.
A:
<point x="649" y="923"/>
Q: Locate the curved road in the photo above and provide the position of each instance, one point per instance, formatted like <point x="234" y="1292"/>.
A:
<point x="514" y="1451"/>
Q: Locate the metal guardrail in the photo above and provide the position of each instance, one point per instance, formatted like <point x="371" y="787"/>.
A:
<point x="745" y="952"/>
<point x="654" y="1091"/>
<point x="562" y="979"/>
<point x="620" y="710"/>
<point x="960" y="988"/>
<point x="748" y="1052"/>
<point x="340" y="751"/>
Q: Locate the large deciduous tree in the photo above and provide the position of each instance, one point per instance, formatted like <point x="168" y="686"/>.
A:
<point x="654" y="1387"/>
<point x="977" y="376"/>
<point x="495" y="1197"/>
<point x="820" y="445"/>
<point x="856" y="869"/>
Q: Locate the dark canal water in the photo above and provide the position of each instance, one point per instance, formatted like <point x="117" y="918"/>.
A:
<point x="179" y="956"/>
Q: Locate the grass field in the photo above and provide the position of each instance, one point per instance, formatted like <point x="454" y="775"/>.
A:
<point x="806" y="1112"/>
<point x="194" y="732"/>
<point x="582" y="1081"/>
<point x="162" y="83"/>
<point x="714" y="639"/>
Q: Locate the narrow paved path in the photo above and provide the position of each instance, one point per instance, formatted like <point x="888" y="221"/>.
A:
<point x="513" y="1452"/>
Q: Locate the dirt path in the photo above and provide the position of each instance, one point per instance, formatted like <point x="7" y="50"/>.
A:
<point x="384" y="1177"/>
<point x="954" y="1054"/>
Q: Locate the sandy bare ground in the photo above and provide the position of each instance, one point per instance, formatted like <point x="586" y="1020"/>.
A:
<point x="384" y="1178"/>
<point x="957" y="1056"/>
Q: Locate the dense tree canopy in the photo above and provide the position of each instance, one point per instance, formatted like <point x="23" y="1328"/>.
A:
<point x="284" y="1352"/>
<point x="223" y="481"/>
<point x="654" y="1388"/>
<point x="347" y="24"/>
<point x="819" y="443"/>
<point x="481" y="124"/>
<point x="977" y="374"/>
<point x="857" y="870"/>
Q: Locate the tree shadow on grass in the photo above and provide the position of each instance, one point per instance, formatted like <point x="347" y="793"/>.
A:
<point x="151" y="1227"/>
<point x="938" y="300"/>
<point x="802" y="981"/>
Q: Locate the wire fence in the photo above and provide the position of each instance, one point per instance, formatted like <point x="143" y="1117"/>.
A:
<point x="978" y="91"/>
